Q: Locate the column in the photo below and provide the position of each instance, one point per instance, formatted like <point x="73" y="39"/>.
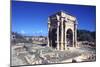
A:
<point x="65" y="39"/>
<point x="58" y="23"/>
<point x="66" y="35"/>
<point x="61" y="33"/>
<point x="76" y="34"/>
<point x="73" y="31"/>
<point x="48" y="32"/>
<point x="57" y="32"/>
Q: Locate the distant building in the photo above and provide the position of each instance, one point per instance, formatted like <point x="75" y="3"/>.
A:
<point x="62" y="29"/>
<point x="39" y="38"/>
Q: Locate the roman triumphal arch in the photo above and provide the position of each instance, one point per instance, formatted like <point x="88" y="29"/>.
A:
<point x="62" y="31"/>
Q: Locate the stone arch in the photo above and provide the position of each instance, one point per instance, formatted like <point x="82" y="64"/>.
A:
<point x="69" y="37"/>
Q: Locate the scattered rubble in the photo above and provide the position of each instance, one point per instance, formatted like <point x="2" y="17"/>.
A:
<point x="27" y="54"/>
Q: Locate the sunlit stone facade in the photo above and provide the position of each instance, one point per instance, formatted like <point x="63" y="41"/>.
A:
<point x="62" y="31"/>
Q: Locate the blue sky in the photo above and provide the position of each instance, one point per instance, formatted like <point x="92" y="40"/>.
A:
<point x="31" y="18"/>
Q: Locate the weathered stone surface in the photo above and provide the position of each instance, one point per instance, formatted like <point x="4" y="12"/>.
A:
<point x="46" y="55"/>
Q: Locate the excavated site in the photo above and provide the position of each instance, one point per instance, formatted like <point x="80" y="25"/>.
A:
<point x="33" y="54"/>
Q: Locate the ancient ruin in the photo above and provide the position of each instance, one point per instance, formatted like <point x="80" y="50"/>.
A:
<point x="62" y="31"/>
<point x="61" y="47"/>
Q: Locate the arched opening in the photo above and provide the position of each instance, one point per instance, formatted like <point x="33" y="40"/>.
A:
<point x="69" y="36"/>
<point x="54" y="38"/>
